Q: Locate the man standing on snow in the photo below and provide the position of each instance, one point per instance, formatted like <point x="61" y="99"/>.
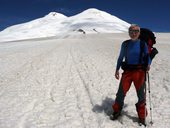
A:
<point x="136" y="64"/>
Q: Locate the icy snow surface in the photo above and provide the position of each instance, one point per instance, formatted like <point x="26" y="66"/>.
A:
<point x="69" y="83"/>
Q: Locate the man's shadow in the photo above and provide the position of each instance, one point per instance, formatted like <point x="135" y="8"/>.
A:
<point x="106" y="107"/>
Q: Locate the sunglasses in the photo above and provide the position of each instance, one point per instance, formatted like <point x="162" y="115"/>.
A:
<point x="134" y="31"/>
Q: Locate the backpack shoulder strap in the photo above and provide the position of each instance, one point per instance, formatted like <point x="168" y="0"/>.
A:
<point x="126" y="49"/>
<point x="142" y="56"/>
<point x="142" y="46"/>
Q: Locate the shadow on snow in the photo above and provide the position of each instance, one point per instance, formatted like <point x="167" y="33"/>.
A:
<point x="106" y="107"/>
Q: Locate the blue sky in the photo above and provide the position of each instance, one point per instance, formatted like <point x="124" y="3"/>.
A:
<point x="153" y="14"/>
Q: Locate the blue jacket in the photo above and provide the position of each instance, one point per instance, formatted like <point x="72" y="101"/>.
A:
<point x="133" y="53"/>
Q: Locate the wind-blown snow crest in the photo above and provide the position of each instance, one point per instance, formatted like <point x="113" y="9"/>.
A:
<point x="56" y="24"/>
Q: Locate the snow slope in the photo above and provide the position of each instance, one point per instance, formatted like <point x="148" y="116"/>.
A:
<point x="56" y="24"/>
<point x="69" y="83"/>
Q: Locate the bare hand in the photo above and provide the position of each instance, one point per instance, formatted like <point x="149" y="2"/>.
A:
<point x="117" y="75"/>
<point x="148" y="68"/>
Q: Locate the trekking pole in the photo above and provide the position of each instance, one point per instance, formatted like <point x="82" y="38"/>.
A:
<point x="151" y="122"/>
<point x="145" y="98"/>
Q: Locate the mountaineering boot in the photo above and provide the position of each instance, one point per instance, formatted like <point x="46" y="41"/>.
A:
<point x="115" y="115"/>
<point x="142" y="122"/>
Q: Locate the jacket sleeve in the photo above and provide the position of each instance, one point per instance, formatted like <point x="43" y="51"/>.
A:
<point x="121" y="56"/>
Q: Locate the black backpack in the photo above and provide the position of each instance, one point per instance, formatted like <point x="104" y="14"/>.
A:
<point x="148" y="36"/>
<point x="126" y="66"/>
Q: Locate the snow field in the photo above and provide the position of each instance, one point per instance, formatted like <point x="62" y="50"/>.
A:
<point x="69" y="83"/>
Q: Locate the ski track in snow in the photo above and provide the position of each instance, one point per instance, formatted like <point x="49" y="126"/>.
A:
<point x="69" y="83"/>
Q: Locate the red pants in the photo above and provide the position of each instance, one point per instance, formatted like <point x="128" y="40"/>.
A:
<point x="138" y="78"/>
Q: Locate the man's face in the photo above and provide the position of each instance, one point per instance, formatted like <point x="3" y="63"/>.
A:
<point x="134" y="32"/>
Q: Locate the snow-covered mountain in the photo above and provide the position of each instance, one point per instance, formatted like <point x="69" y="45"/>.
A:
<point x="56" y="24"/>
